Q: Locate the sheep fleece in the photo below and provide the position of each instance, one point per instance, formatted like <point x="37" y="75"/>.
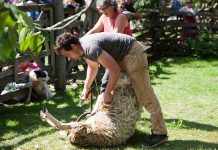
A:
<point x="109" y="125"/>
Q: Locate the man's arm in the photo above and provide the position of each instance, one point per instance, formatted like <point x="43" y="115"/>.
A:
<point x="92" y="71"/>
<point x="114" y="72"/>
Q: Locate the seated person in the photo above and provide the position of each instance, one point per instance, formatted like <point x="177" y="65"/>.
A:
<point x="189" y="31"/>
<point x="27" y="66"/>
<point x="71" y="4"/>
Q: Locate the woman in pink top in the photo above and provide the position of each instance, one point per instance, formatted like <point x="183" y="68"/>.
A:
<point x="111" y="20"/>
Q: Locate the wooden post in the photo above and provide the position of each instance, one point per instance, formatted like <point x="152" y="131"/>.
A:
<point x="52" y="54"/>
<point x="92" y="14"/>
<point x="60" y="61"/>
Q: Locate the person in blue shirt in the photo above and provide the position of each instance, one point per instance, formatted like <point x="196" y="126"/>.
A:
<point x="175" y="4"/>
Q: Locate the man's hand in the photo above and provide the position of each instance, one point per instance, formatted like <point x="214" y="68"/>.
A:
<point x="106" y="98"/>
<point x="85" y="94"/>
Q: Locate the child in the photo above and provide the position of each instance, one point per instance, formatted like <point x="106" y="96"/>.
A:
<point x="27" y="66"/>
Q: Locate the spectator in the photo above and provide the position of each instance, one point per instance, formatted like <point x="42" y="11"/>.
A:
<point x="111" y="20"/>
<point x="129" y="14"/>
<point x="189" y="31"/>
<point x="35" y="14"/>
<point x="71" y="4"/>
<point x="175" y="4"/>
<point x="188" y="7"/>
<point x="15" y="2"/>
<point x="24" y="67"/>
<point x="27" y="66"/>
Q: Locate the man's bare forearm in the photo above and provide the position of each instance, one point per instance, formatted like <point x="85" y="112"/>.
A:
<point x="92" y="71"/>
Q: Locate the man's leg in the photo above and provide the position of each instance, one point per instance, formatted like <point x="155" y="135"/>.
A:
<point x="135" y="63"/>
<point x="141" y="83"/>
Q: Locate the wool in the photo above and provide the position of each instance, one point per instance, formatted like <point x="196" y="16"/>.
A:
<point x="111" y="124"/>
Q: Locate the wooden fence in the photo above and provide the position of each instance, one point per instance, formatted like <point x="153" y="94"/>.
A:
<point x="162" y="30"/>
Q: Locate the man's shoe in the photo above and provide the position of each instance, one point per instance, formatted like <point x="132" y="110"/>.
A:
<point x="155" y="140"/>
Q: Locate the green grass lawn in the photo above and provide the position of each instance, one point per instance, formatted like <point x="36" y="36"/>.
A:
<point x="188" y="92"/>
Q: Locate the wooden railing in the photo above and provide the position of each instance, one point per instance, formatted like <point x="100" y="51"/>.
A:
<point x="162" y="33"/>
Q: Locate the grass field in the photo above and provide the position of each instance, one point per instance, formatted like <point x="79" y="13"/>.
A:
<point x="186" y="87"/>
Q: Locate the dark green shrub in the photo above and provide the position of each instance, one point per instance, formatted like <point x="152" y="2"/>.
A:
<point x="202" y="47"/>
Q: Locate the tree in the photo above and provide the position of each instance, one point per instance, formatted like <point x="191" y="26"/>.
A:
<point x="18" y="33"/>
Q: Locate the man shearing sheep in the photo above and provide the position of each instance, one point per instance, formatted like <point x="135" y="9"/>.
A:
<point x="116" y="52"/>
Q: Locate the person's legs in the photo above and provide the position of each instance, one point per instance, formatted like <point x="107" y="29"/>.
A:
<point x="135" y="63"/>
<point x="141" y="83"/>
<point x="104" y="81"/>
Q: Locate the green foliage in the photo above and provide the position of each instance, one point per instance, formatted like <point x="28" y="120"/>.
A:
<point x="151" y="4"/>
<point x="202" y="47"/>
<point x="203" y="1"/>
<point x="18" y="33"/>
<point x="1" y="4"/>
<point x="7" y="44"/>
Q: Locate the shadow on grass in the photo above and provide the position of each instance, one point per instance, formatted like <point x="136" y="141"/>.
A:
<point x="185" y="124"/>
<point x="191" y="125"/>
<point x="158" y="71"/>
<point x="19" y="119"/>
<point x="15" y="143"/>
<point x="139" y="139"/>
<point x="181" y="145"/>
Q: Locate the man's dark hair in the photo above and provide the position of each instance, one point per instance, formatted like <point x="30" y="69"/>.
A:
<point x="65" y="40"/>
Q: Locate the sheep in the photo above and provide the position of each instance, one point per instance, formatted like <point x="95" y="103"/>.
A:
<point x="107" y="125"/>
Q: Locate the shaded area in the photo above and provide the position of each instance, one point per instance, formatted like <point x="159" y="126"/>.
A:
<point x="181" y="145"/>
<point x="185" y="124"/>
<point x="64" y="105"/>
<point x="15" y="144"/>
<point x="139" y="138"/>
